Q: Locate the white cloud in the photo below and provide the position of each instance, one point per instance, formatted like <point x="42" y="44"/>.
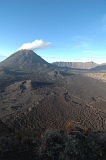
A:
<point x="37" y="44"/>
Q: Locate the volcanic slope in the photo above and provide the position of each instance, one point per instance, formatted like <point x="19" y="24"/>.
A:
<point x="33" y="98"/>
<point x="45" y="104"/>
<point x="24" y="60"/>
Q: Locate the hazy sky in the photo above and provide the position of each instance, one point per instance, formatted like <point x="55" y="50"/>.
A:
<point x="57" y="30"/>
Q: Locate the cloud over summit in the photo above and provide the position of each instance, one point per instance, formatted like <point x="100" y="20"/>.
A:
<point x="37" y="44"/>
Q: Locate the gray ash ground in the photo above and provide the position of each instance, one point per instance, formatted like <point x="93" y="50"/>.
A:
<point x="51" y="100"/>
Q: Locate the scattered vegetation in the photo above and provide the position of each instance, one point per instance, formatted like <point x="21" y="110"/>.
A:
<point x="52" y="144"/>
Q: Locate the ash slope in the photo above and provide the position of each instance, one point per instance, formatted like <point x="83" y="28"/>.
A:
<point x="33" y="104"/>
<point x="49" y="97"/>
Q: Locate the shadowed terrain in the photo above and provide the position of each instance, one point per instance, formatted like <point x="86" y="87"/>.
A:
<point x="36" y="96"/>
<point x="50" y="98"/>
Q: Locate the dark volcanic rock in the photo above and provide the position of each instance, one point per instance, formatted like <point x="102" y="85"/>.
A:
<point x="36" y="104"/>
<point x="35" y="95"/>
<point x="3" y="129"/>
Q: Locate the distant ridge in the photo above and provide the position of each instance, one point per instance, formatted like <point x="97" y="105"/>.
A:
<point x="100" y="67"/>
<point x="24" y="59"/>
<point x="76" y="65"/>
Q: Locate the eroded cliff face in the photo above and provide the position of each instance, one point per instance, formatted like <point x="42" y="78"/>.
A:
<point x="77" y="65"/>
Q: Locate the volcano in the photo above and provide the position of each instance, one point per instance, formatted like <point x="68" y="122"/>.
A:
<point x="25" y="60"/>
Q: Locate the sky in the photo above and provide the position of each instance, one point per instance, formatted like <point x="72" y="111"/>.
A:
<point x="57" y="30"/>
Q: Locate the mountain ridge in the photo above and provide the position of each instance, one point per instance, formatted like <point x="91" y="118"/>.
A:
<point x="28" y="60"/>
<point x="77" y="65"/>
